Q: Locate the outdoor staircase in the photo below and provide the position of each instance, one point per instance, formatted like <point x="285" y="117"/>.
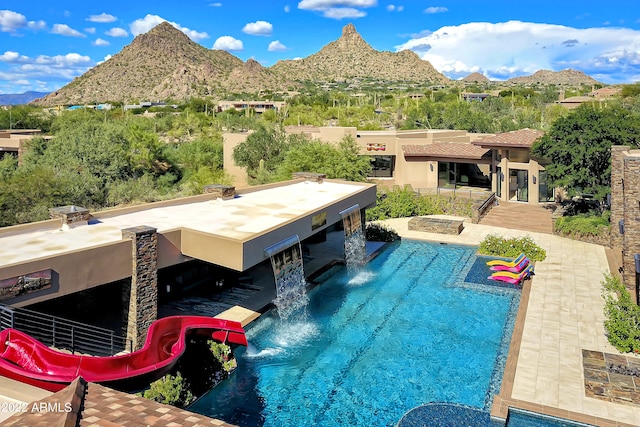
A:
<point x="520" y="216"/>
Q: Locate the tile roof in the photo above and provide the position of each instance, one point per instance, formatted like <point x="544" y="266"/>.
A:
<point x="523" y="138"/>
<point x="93" y="405"/>
<point x="456" y="150"/>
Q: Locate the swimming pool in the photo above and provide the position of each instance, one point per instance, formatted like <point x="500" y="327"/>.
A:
<point x="406" y="330"/>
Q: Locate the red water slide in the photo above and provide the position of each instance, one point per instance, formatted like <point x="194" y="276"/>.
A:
<point x="26" y="359"/>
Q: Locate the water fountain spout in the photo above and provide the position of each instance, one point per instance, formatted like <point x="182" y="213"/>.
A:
<point x="355" y="249"/>
<point x="288" y="270"/>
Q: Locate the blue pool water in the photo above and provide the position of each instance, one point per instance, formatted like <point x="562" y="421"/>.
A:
<point x="408" y="329"/>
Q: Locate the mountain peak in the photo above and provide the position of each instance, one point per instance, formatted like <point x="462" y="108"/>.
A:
<point x="350" y="56"/>
<point x="351" y="39"/>
<point x="348" y="29"/>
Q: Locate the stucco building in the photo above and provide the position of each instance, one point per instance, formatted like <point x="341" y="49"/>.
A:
<point x="437" y="159"/>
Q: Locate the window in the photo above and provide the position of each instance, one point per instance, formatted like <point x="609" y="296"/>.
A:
<point x="520" y="156"/>
<point x="382" y="166"/>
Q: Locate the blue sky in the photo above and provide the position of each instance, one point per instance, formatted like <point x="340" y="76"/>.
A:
<point x="45" y="44"/>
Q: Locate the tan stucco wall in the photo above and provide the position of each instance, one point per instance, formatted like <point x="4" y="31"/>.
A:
<point x="533" y="169"/>
<point x="230" y="140"/>
<point x="334" y="134"/>
<point x="76" y="271"/>
<point x="79" y="269"/>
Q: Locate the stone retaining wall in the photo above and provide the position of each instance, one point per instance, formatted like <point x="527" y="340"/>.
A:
<point x="436" y="225"/>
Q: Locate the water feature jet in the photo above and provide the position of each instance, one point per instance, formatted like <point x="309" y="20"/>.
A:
<point x="288" y="271"/>
<point x="355" y="245"/>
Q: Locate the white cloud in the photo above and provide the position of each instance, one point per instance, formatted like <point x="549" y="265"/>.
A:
<point x="13" y="57"/>
<point x="117" y="32"/>
<point x="37" y="25"/>
<point x="101" y="42"/>
<point x="106" y="58"/>
<point x="258" y="28"/>
<point x="228" y="43"/>
<point x="102" y="18"/>
<point x="343" y="12"/>
<point x="338" y="9"/>
<point x="141" y="26"/>
<point x="327" y="4"/>
<point x="61" y="61"/>
<point x="276" y="46"/>
<point x="287" y="9"/>
<point x="218" y="4"/>
<point x="44" y="72"/>
<point x="90" y="30"/>
<point x="65" y="30"/>
<point x="11" y="21"/>
<point x="394" y="8"/>
<point x="436" y="9"/>
<point x="459" y="50"/>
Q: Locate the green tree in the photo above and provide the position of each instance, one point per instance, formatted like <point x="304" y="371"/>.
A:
<point x="630" y="90"/>
<point x="266" y="144"/>
<point x="578" y="147"/>
<point x="339" y="162"/>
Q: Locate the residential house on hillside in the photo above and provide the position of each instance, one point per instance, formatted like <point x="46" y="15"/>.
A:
<point x="436" y="159"/>
<point x="605" y="92"/>
<point x="258" y="106"/>
<point x="468" y="96"/>
<point x="12" y="141"/>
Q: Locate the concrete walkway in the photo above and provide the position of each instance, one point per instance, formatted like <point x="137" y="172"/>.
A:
<point x="564" y="315"/>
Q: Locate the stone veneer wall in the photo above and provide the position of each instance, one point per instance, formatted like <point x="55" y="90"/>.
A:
<point x="141" y="297"/>
<point x="617" y="198"/>
<point x="631" y="237"/>
<point x="625" y="205"/>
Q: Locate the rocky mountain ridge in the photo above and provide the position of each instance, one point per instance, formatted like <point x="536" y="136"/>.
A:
<point x="351" y="57"/>
<point x="165" y="64"/>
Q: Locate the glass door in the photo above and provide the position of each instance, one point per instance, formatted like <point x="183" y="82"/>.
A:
<point x="523" y="186"/>
<point x="546" y="194"/>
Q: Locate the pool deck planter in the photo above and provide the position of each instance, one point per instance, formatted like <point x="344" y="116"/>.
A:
<point x="436" y="225"/>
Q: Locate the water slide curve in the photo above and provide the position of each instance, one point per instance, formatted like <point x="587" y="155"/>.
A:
<point x="26" y="359"/>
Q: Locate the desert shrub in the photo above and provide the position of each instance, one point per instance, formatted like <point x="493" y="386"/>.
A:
<point x="170" y="390"/>
<point x="622" y="316"/>
<point x="403" y="203"/>
<point x="494" y="244"/>
<point x="582" y="225"/>
<point x="223" y="355"/>
<point x="380" y="233"/>
<point x="434" y="204"/>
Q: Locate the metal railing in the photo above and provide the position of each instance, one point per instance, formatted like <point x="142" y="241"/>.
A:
<point x="63" y="334"/>
<point x="481" y="208"/>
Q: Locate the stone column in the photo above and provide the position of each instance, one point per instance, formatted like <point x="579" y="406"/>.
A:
<point x="617" y="194"/>
<point x="141" y="297"/>
<point x="631" y="236"/>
